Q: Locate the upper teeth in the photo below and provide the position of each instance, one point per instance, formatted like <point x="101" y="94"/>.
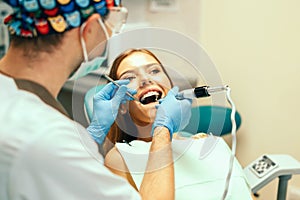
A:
<point x="148" y="94"/>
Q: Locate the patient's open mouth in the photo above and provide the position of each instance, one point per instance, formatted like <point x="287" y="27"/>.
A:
<point x="150" y="97"/>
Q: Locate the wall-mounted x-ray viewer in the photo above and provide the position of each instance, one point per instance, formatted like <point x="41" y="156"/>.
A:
<point x="4" y="37"/>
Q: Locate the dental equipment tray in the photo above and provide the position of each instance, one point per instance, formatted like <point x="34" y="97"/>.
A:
<point x="269" y="166"/>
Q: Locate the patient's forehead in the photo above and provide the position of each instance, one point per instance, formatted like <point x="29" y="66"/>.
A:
<point x="133" y="61"/>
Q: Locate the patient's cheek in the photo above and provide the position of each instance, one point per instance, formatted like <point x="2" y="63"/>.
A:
<point x="132" y="85"/>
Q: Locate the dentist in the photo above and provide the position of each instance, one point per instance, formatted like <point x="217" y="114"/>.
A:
<point x="43" y="153"/>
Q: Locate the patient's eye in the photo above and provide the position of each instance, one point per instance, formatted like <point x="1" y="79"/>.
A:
<point x="154" y="69"/>
<point x="129" y="76"/>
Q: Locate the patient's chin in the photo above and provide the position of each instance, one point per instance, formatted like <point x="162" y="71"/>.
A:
<point x="142" y="114"/>
<point x="146" y="119"/>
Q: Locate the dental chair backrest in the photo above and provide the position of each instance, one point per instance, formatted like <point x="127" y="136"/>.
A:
<point x="205" y="119"/>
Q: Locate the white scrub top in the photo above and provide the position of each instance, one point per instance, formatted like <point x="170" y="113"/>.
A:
<point x="45" y="155"/>
<point x="197" y="175"/>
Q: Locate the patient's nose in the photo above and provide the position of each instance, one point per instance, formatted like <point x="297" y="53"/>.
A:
<point x="144" y="79"/>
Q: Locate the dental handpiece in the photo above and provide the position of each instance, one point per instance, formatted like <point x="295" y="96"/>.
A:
<point x="199" y="92"/>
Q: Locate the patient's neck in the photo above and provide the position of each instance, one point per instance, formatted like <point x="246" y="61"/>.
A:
<point x="144" y="133"/>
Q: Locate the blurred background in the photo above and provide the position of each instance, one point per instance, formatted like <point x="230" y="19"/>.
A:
<point x="255" y="46"/>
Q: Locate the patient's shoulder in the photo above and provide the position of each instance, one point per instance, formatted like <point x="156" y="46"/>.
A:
<point x="185" y="135"/>
<point x="114" y="160"/>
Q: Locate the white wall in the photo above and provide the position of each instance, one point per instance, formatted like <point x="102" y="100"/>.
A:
<point x="255" y="44"/>
<point x="256" y="47"/>
<point x="189" y="24"/>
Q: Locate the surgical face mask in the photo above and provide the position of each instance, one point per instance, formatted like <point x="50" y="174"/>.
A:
<point x="115" y="21"/>
<point x="93" y="64"/>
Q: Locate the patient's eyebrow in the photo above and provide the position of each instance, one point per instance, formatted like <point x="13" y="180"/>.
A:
<point x="126" y="72"/>
<point x="151" y="64"/>
<point x="134" y="71"/>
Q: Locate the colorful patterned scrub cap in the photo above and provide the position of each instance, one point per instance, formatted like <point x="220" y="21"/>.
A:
<point x="32" y="18"/>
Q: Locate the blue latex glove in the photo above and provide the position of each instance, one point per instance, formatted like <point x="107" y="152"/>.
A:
<point x="172" y="113"/>
<point x="105" y="108"/>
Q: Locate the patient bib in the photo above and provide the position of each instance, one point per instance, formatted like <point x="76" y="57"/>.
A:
<point x="196" y="176"/>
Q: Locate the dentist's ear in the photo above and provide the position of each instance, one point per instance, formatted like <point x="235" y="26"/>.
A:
<point x="90" y="26"/>
<point x="93" y="33"/>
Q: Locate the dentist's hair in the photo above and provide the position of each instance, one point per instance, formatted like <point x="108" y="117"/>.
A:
<point x="39" y="26"/>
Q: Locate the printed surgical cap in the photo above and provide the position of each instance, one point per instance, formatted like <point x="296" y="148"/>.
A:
<point x="32" y="18"/>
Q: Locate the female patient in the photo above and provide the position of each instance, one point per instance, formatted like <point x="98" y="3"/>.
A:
<point x="131" y="135"/>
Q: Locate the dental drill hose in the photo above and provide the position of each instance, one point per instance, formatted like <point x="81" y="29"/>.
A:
<point x="205" y="91"/>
